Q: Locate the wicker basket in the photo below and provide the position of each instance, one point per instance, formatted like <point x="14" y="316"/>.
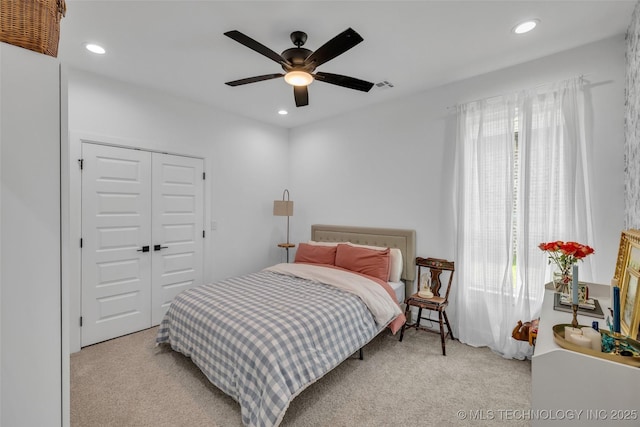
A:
<point x="32" y="24"/>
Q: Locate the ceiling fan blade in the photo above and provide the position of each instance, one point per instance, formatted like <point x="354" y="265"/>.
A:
<point x="254" y="79"/>
<point x="344" y="81"/>
<point x="334" y="47"/>
<point x="257" y="46"/>
<point x="301" y="94"/>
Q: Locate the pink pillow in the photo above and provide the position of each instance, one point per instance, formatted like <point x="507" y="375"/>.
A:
<point x="372" y="262"/>
<point x="316" y="254"/>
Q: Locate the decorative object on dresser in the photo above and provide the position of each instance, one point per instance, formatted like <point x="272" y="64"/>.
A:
<point x="435" y="268"/>
<point x="602" y="344"/>
<point x="591" y="307"/>
<point x="565" y="256"/>
<point x="626" y="276"/>
<point x="617" y="343"/>
<point x="284" y="207"/>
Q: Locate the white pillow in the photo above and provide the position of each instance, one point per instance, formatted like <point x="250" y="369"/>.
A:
<point x="395" y="260"/>
<point x="312" y="242"/>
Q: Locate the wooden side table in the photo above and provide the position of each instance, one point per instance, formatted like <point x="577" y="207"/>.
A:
<point x="287" y="246"/>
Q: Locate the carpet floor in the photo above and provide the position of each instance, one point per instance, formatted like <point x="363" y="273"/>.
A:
<point x="129" y="381"/>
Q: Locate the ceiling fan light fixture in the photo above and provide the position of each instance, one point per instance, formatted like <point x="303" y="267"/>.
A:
<point x="298" y="78"/>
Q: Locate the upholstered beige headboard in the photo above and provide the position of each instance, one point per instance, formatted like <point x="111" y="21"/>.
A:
<point x="405" y="240"/>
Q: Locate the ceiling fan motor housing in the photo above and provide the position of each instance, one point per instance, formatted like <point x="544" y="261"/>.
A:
<point x="296" y="57"/>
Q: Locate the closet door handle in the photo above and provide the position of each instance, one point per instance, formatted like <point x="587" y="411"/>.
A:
<point x="143" y="249"/>
<point x="158" y="247"/>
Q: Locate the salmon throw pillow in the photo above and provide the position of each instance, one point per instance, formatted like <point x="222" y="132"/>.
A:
<point x="371" y="262"/>
<point x="316" y="254"/>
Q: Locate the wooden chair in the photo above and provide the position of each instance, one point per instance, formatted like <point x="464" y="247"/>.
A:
<point x="435" y="268"/>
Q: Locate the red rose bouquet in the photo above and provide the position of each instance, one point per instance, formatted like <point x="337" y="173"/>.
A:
<point x="565" y="254"/>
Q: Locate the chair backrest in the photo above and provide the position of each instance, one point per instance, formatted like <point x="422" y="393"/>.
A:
<point x="436" y="266"/>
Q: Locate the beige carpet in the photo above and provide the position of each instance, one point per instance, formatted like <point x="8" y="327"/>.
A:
<point x="130" y="382"/>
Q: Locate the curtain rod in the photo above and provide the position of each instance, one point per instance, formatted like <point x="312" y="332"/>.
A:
<point x="581" y="76"/>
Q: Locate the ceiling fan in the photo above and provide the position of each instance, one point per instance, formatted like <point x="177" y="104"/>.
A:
<point x="300" y="63"/>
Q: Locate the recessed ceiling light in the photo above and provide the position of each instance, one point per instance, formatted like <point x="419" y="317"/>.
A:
<point x="526" y="26"/>
<point x="283" y="112"/>
<point x="95" y="48"/>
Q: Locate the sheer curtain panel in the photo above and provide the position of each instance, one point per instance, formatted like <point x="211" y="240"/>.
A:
<point x="484" y="211"/>
<point x="554" y="182"/>
<point x="521" y="179"/>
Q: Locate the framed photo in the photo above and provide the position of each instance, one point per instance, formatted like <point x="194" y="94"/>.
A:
<point x="629" y="320"/>
<point x="627" y="275"/>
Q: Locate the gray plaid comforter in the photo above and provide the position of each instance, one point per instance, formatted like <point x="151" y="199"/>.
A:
<point x="264" y="337"/>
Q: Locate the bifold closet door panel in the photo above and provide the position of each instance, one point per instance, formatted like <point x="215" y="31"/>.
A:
<point x="116" y="227"/>
<point x="178" y="225"/>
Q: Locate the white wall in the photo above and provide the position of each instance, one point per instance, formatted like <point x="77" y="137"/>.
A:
<point x="391" y="165"/>
<point x="30" y="293"/>
<point x="246" y="163"/>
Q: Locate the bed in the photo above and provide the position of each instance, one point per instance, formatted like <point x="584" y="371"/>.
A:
<point x="264" y="337"/>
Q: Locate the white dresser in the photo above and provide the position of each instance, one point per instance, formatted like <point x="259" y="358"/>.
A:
<point x="568" y="386"/>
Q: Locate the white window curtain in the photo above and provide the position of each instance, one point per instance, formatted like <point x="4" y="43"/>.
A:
<point x="511" y="195"/>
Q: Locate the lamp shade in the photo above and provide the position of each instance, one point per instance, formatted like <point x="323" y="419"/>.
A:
<point x="283" y="208"/>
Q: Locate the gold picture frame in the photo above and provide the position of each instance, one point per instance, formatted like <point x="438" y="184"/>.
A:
<point x="627" y="274"/>
<point x="629" y="304"/>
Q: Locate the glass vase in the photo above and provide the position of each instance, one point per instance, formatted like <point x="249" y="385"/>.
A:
<point x="561" y="281"/>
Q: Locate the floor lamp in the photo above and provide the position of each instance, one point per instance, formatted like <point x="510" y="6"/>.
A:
<point x="284" y="207"/>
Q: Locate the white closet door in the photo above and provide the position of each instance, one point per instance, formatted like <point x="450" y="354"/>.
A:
<point x="116" y="225"/>
<point x="177" y="228"/>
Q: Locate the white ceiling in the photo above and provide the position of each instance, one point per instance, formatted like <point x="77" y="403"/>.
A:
<point x="179" y="47"/>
